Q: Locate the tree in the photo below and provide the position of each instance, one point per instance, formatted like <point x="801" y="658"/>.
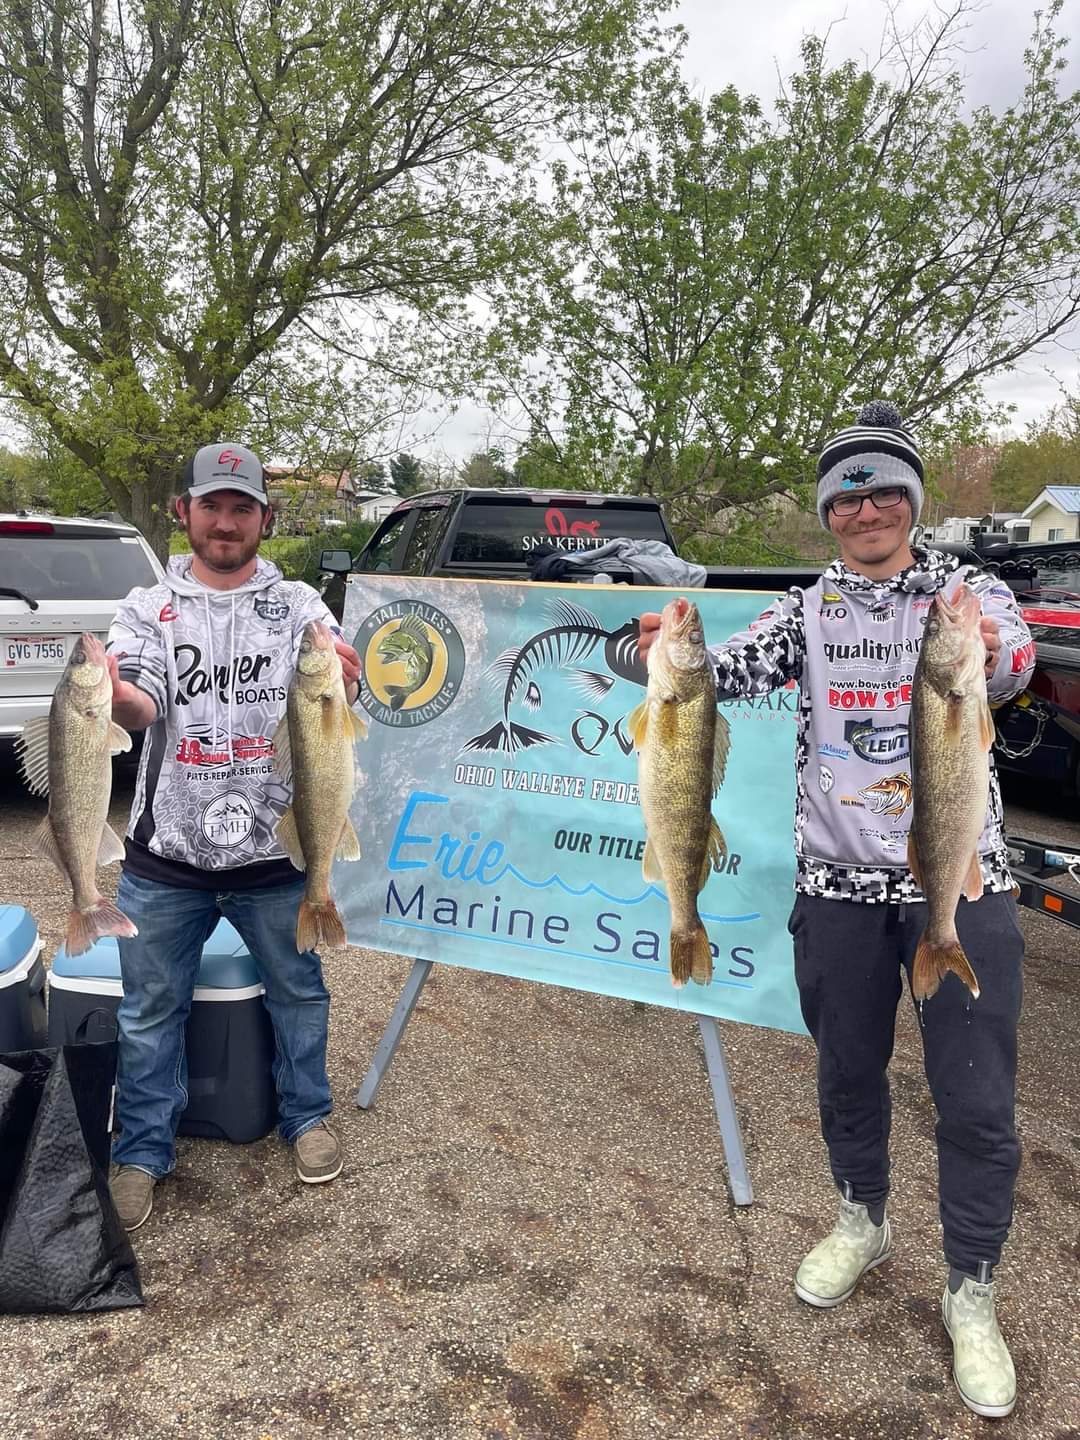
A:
<point x="1049" y="455"/>
<point x="485" y="469"/>
<point x="212" y="212"/>
<point x="715" y="290"/>
<point x="406" y="475"/>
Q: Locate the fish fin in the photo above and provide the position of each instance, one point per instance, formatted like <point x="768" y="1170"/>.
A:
<point x="32" y="748"/>
<point x="86" y="926"/>
<point x="913" y="862"/>
<point x="637" y="723"/>
<point x="565" y="612"/>
<point x="119" y="739"/>
<point x="288" y="837"/>
<point x="398" y="696"/>
<point x="650" y="865"/>
<point x="504" y="663"/>
<point x="282" y="750"/>
<point x="715" y="853"/>
<point x="508" y="737"/>
<point x="933" y="963"/>
<point x="414" y="626"/>
<point x="110" y="847"/>
<point x="986" y="727"/>
<point x="348" y="843"/>
<point x="691" y="957"/>
<point x="44" y="842"/>
<point x="593" y="683"/>
<point x="721" y="747"/>
<point x="358" y="725"/>
<point x="973" y="881"/>
<point x="318" y="925"/>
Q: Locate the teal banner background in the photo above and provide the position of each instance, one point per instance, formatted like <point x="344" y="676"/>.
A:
<point x="496" y="803"/>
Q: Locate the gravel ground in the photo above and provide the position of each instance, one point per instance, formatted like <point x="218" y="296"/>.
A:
<point x="533" y="1238"/>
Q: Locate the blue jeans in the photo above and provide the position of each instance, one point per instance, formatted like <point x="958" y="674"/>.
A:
<point x="159" y="967"/>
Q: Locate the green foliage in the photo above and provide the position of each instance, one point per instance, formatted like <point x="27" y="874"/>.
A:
<point x="406" y="474"/>
<point x="225" y="220"/>
<point x="714" y="290"/>
<point x="485" y="469"/>
<point x="1049" y="455"/>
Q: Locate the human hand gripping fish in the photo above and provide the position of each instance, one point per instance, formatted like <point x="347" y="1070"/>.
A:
<point x="682" y="743"/>
<point x="67" y="755"/>
<point x="313" y="748"/>
<point x="951" y="734"/>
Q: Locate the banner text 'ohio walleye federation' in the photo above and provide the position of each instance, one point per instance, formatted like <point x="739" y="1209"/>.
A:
<point x="497" y="803"/>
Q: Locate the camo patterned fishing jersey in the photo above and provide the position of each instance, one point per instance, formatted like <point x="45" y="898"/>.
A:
<point x="852" y="643"/>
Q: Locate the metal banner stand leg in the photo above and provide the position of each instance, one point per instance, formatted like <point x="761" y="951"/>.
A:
<point x="391" y="1036"/>
<point x="738" y="1175"/>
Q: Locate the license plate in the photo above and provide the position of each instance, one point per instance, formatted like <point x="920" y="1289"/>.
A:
<point x="35" y="652"/>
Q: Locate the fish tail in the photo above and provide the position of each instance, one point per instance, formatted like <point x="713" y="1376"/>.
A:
<point x="508" y="737"/>
<point x="933" y="963"/>
<point x="318" y="923"/>
<point x="691" y="957"/>
<point x="86" y="926"/>
<point x="398" y="694"/>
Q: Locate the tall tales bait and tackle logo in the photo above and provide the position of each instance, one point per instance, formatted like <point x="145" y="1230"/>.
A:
<point x="412" y="660"/>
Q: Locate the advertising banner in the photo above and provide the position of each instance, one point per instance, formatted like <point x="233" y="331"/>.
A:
<point x="497" y="804"/>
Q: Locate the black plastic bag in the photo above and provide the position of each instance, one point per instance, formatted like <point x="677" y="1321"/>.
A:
<point x="62" y="1247"/>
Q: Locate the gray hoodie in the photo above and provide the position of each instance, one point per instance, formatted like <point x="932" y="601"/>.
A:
<point x="852" y="644"/>
<point x="217" y="664"/>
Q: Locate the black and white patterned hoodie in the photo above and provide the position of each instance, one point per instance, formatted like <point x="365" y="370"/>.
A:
<point x="852" y="643"/>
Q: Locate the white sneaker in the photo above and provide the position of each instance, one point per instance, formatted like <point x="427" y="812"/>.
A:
<point x="833" y="1268"/>
<point x="982" y="1366"/>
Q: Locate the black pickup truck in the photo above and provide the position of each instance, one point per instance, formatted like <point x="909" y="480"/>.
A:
<point x="490" y="534"/>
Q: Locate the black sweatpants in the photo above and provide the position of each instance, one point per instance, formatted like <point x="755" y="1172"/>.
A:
<point x="848" y="959"/>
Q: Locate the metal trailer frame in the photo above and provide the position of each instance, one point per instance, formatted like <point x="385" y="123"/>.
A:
<point x="1033" y="863"/>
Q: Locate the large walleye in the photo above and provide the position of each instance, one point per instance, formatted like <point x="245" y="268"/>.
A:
<point x="313" y="747"/>
<point x="951" y="735"/>
<point x="682" y="746"/>
<point x="67" y="755"/>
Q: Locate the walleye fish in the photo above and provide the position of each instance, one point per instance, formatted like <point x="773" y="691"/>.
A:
<point x="409" y="645"/>
<point x="313" y="749"/>
<point x="67" y="755"/>
<point x="682" y="744"/>
<point x="951" y="735"/>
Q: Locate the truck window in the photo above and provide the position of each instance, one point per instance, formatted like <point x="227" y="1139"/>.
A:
<point x="380" y="554"/>
<point x="498" y="532"/>
<point x="425" y="526"/>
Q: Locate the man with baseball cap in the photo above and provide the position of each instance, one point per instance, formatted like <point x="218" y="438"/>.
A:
<point x="202" y="662"/>
<point x="851" y="641"/>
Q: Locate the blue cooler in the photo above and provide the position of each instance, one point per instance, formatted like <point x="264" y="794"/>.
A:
<point x="22" y="981"/>
<point x="229" y="1038"/>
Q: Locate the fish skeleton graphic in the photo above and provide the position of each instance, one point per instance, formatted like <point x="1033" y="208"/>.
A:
<point x="889" y="796"/>
<point x="568" y="642"/>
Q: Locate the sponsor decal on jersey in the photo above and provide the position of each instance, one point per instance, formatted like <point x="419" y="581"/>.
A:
<point x="245" y="673"/>
<point x="881" y="615"/>
<point x="891" y="795"/>
<point x="872" y="695"/>
<point x="826" y="779"/>
<point x="883" y="651"/>
<point x="272" y="611"/>
<point x="228" y="819"/>
<point x="880" y="744"/>
<point x="834" y="752"/>
<point x="167" y="613"/>
<point x="1023" y="657"/>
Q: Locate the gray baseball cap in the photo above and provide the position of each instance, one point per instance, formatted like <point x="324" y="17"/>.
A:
<point x="226" y="466"/>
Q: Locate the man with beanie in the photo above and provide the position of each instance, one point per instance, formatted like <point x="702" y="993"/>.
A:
<point x="852" y="641"/>
<point x="203" y="662"/>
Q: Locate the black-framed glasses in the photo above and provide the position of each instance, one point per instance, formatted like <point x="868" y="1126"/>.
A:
<point x="883" y="499"/>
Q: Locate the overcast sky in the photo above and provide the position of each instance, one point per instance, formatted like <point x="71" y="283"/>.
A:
<point x="749" y="45"/>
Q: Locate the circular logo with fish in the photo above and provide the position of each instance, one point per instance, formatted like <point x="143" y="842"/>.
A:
<point x="413" y="659"/>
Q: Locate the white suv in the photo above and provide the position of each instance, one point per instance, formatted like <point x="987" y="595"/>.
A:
<point x="58" y="577"/>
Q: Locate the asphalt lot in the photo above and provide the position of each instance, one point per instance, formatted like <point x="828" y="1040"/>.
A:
<point x="533" y="1238"/>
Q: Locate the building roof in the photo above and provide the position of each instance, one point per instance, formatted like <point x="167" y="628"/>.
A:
<point x="1065" y="498"/>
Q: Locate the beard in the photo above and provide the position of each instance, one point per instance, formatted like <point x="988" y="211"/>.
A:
<point x="224" y="558"/>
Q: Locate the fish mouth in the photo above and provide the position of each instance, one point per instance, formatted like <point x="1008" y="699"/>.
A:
<point x="681" y="621"/>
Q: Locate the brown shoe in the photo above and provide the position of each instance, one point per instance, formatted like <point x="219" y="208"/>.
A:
<point x="318" y="1155"/>
<point x="132" y="1192"/>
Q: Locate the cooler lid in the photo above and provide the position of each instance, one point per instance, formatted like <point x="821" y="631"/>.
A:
<point x="18" y="935"/>
<point x="100" y="962"/>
